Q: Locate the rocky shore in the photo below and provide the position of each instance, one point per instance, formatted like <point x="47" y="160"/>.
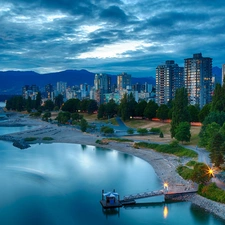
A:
<point x="164" y="164"/>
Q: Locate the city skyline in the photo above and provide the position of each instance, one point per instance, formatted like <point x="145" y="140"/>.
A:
<point x="108" y="36"/>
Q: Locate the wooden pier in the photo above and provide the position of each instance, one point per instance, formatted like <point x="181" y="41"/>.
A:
<point x="112" y="199"/>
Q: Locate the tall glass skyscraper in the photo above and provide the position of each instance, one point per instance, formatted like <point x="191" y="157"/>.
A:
<point x="169" y="77"/>
<point x="123" y="81"/>
<point x="198" y="79"/>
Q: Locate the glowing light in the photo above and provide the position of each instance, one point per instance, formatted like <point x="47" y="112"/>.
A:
<point x="166" y="186"/>
<point x="165" y="212"/>
<point x="210" y="171"/>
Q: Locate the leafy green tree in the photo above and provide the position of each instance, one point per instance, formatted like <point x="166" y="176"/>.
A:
<point x="49" y="105"/>
<point x="84" y="105"/>
<point x="63" y="117"/>
<point x="76" y="117"/>
<point x="71" y="105"/>
<point x="201" y="174"/>
<point x="46" y="116"/>
<point x="83" y="125"/>
<point x="210" y="129"/>
<point x="180" y="111"/>
<point x="194" y="112"/>
<point x="92" y="106"/>
<point x="59" y="101"/>
<point x="162" y="112"/>
<point x="111" y="108"/>
<point x="140" y="108"/>
<point x="142" y="131"/>
<point x="183" y="132"/>
<point x="150" y="110"/>
<point x="217" y="117"/>
<point x="107" y="130"/>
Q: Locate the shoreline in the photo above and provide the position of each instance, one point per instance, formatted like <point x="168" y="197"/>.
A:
<point x="164" y="165"/>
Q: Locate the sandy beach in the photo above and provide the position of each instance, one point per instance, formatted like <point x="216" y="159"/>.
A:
<point x="164" y="164"/>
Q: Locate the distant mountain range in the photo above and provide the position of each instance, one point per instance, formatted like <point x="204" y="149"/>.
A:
<point x="11" y="82"/>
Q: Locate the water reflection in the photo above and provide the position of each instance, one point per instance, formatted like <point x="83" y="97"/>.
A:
<point x="165" y="212"/>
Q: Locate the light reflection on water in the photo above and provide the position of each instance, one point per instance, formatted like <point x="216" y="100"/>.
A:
<point x="62" y="184"/>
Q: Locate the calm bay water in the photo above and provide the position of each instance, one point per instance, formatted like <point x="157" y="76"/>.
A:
<point x="62" y="183"/>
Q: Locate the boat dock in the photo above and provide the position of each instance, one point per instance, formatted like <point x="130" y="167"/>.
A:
<point x="112" y="199"/>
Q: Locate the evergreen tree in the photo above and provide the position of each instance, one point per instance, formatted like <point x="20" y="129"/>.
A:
<point x="204" y="112"/>
<point x="194" y="112"/>
<point x="28" y="104"/>
<point x="123" y="108"/>
<point x="217" y="149"/>
<point x="38" y="100"/>
<point x="101" y="111"/>
<point x="218" y="100"/>
<point x="180" y="111"/>
<point x="92" y="106"/>
<point x="59" y="101"/>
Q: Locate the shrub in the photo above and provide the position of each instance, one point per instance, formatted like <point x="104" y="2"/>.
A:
<point x="161" y="135"/>
<point x="185" y="172"/>
<point x="155" y="130"/>
<point x="130" y="131"/>
<point x="47" y="138"/>
<point x="30" y="139"/>
<point x="170" y="149"/>
<point x="212" y="192"/>
<point x="142" y="131"/>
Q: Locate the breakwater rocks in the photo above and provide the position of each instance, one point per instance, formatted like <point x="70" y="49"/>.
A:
<point x="215" y="208"/>
<point x="17" y="142"/>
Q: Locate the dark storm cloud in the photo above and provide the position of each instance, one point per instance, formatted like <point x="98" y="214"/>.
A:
<point x="114" y="36"/>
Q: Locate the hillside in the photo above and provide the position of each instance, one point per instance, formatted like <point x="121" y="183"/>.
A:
<point x="11" y="82"/>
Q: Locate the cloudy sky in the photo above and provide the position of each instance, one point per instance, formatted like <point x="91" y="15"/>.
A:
<point x="109" y="36"/>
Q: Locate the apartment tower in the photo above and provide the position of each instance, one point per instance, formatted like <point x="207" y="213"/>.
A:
<point x="198" y="79"/>
<point x="169" y="77"/>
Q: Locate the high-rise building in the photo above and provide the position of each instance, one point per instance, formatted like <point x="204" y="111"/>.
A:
<point x="49" y="91"/>
<point x="123" y="81"/>
<point x="102" y="83"/>
<point x="61" y="88"/>
<point x="198" y="79"/>
<point x="223" y="73"/>
<point x="169" y="77"/>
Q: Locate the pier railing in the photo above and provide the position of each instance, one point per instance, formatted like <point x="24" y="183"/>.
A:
<point x="143" y="195"/>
